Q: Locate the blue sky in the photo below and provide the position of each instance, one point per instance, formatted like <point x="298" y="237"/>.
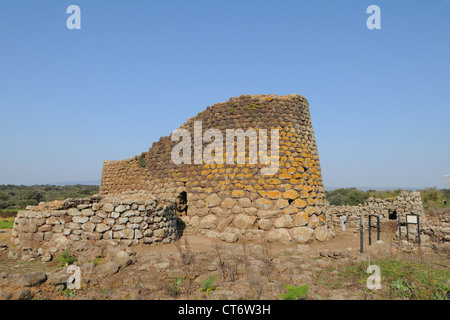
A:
<point x="379" y="99"/>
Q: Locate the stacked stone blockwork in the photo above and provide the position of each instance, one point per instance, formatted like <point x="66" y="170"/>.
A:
<point x="232" y="200"/>
<point x="124" y="221"/>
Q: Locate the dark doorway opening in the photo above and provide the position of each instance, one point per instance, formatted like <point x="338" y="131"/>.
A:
<point x="182" y="203"/>
<point x="392" y="215"/>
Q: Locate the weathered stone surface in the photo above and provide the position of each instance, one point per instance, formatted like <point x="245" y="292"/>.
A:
<point x="108" y="207"/>
<point x="313" y="221"/>
<point x="74" y="212"/>
<point x="121" y="208"/>
<point x="114" y="214"/>
<point x="290" y="209"/>
<point x="301" y="219"/>
<point x="213" y="200"/>
<point x="208" y="222"/>
<point x="31" y="279"/>
<point x="321" y="233"/>
<point x="291" y="194"/>
<point x="279" y="235"/>
<point x="265" y="224"/>
<point x="281" y="204"/>
<point x="228" y="203"/>
<point x="123" y="259"/>
<point x="56" y="278"/>
<point x="47" y="257"/>
<point x="127" y="233"/>
<point x="229" y="237"/>
<point x="274" y="194"/>
<point x="108" y="268"/>
<point x="283" y="222"/>
<point x="302" y="234"/>
<point x="245" y="203"/>
<point x="160" y="233"/>
<point x="263" y="204"/>
<point x="4" y="295"/>
<point x="243" y="221"/>
<point x="25" y="295"/>
<point x="101" y="227"/>
<point x="88" y="227"/>
<point x="264" y="214"/>
<point x="80" y="219"/>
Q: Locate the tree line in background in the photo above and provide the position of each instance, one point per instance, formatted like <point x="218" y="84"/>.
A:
<point x="431" y="197"/>
<point x="18" y="197"/>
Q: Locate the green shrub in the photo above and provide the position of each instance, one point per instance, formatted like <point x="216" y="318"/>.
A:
<point x="207" y="284"/>
<point x="142" y="162"/>
<point x="173" y="288"/>
<point x="66" y="258"/>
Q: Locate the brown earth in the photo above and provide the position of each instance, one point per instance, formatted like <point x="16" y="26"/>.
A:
<point x="242" y="270"/>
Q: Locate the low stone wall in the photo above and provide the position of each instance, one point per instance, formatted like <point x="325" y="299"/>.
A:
<point x="127" y="221"/>
<point x="404" y="203"/>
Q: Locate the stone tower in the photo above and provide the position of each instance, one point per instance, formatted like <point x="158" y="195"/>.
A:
<point x="230" y="200"/>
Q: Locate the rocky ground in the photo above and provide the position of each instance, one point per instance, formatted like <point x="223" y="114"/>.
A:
<point x="197" y="267"/>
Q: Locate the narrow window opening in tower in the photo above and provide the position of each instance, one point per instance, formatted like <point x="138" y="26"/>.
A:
<point x="182" y="203"/>
<point x="392" y="215"/>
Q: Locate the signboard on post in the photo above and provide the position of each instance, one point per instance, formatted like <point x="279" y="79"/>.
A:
<point x="412" y="219"/>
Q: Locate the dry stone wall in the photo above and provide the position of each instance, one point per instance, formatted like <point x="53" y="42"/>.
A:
<point x="126" y="221"/>
<point x="232" y="200"/>
<point x="403" y="204"/>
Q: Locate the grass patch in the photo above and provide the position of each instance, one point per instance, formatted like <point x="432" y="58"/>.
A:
<point x="295" y="292"/>
<point x="402" y="279"/>
<point x="6" y="223"/>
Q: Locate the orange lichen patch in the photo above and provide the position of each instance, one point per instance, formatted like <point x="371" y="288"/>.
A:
<point x="291" y="194"/>
<point x="304" y="194"/>
<point x="273" y="181"/>
<point x="299" y="203"/>
<point x="237" y="193"/>
<point x="262" y="193"/>
<point x="284" y="176"/>
<point x="298" y="175"/>
<point x="290" y="210"/>
<point x="274" y="194"/>
<point x="292" y="170"/>
<point x="281" y="203"/>
<point x="249" y="188"/>
<point x="301" y="219"/>
<point x="311" y="201"/>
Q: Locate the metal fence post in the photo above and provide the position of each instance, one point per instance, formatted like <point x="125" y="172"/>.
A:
<point x="370" y="229"/>
<point x="418" y="227"/>
<point x="361" y="232"/>
<point x="399" y="228"/>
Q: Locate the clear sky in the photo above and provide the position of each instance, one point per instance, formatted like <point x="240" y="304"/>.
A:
<point x="379" y="99"/>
